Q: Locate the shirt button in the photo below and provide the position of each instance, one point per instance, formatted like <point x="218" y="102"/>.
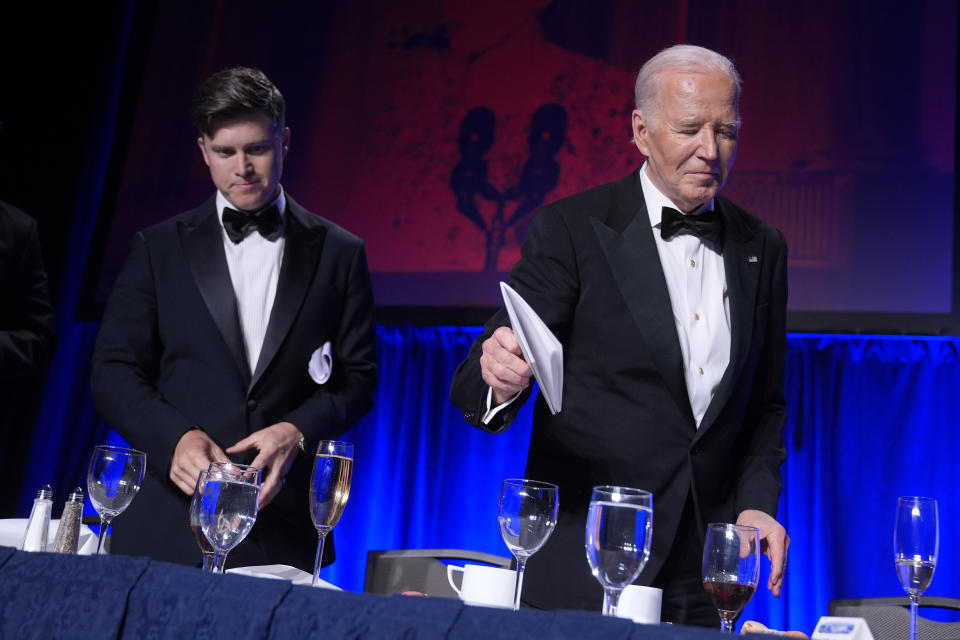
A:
<point x="693" y="263"/>
<point x="696" y="316"/>
<point x="700" y="369"/>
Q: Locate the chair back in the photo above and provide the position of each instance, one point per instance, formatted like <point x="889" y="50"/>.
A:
<point x="419" y="570"/>
<point x="889" y="618"/>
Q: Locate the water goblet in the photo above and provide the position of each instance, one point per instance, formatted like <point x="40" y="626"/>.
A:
<point x="916" y="540"/>
<point x="113" y="479"/>
<point x="228" y="507"/>
<point x="527" y="515"/>
<point x="731" y="569"/>
<point x="196" y="528"/>
<point x="329" y="491"/>
<point x="619" y="532"/>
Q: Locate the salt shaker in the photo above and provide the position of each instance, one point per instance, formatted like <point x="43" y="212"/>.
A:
<point x="68" y="533"/>
<point x="35" y="537"/>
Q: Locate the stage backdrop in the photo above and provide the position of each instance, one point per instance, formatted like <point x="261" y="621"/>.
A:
<point x="870" y="418"/>
<point x="433" y="129"/>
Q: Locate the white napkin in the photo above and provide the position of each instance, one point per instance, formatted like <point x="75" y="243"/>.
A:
<point x="282" y="572"/>
<point x="321" y="363"/>
<point x="11" y="535"/>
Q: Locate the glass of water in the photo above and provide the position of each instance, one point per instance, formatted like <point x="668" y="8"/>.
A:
<point x="228" y="507"/>
<point x="527" y="513"/>
<point x="619" y="532"/>
<point x="113" y="479"/>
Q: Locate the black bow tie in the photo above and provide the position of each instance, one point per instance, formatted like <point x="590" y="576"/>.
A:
<point x="706" y="226"/>
<point x="239" y="223"/>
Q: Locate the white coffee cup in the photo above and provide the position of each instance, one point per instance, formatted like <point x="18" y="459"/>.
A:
<point x="484" y="585"/>
<point x="640" y="604"/>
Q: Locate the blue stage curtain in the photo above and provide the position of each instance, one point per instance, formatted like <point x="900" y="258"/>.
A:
<point x="869" y="418"/>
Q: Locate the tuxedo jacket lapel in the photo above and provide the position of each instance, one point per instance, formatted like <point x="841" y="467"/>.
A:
<point x="627" y="242"/>
<point x="302" y="249"/>
<point x="742" y="255"/>
<point x="202" y="242"/>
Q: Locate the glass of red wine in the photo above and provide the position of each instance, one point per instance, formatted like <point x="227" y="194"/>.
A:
<point x="196" y="528"/>
<point x="731" y="569"/>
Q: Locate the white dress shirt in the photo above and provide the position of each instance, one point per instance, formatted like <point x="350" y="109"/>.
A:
<point x="254" y="265"/>
<point x="697" y="283"/>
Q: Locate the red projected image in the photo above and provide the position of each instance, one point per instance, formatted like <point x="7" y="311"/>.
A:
<point x="435" y="129"/>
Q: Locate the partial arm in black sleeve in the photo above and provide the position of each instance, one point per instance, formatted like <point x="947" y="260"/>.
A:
<point x="547" y="278"/>
<point x="126" y="362"/>
<point x="27" y="338"/>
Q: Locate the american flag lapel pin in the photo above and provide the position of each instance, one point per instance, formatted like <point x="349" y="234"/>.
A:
<point x="752" y="259"/>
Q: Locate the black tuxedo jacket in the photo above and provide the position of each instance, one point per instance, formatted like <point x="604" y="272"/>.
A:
<point x="170" y="356"/>
<point x="590" y="268"/>
<point x="27" y="343"/>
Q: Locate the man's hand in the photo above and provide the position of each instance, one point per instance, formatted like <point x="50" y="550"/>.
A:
<point x="277" y="447"/>
<point x="502" y="365"/>
<point x="193" y="454"/>
<point x="774" y="542"/>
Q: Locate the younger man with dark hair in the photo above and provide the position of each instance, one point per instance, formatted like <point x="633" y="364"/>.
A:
<point x="205" y="343"/>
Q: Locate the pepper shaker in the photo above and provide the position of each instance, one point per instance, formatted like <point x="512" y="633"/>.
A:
<point x="68" y="533"/>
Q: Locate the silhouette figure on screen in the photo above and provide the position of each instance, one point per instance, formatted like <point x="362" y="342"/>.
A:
<point x="539" y="176"/>
<point x="541" y="171"/>
<point x="469" y="177"/>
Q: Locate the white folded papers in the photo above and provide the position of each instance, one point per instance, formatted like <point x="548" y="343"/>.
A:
<point x="541" y="349"/>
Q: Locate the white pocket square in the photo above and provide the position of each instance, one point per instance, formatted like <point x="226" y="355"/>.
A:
<point x="321" y="363"/>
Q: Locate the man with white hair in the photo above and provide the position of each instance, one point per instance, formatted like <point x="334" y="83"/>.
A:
<point x="670" y="302"/>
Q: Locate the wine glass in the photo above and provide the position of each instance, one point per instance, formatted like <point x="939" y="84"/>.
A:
<point x="916" y="539"/>
<point x="731" y="569"/>
<point x="113" y="479"/>
<point x="195" y="527"/>
<point x="527" y="515"/>
<point x="619" y="531"/>
<point x="329" y="490"/>
<point x="228" y="507"/>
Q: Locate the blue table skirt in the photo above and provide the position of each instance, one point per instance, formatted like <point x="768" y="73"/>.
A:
<point x="44" y="595"/>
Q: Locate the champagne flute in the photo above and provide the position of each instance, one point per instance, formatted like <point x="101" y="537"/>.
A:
<point x="527" y="515"/>
<point x="228" y="507"/>
<point x="329" y="490"/>
<point x="916" y="539"/>
<point x="731" y="569"/>
<point x="113" y="479"/>
<point x="619" y="532"/>
<point x="196" y="528"/>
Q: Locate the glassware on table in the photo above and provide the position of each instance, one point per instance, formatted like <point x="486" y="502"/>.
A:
<point x="731" y="569"/>
<point x="619" y="532"/>
<point x="113" y="479"/>
<point x="196" y="528"/>
<point x="916" y="539"/>
<point x="527" y="514"/>
<point x="329" y="491"/>
<point x="228" y="507"/>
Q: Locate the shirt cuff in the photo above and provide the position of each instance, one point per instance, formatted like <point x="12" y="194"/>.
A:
<point x="490" y="413"/>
